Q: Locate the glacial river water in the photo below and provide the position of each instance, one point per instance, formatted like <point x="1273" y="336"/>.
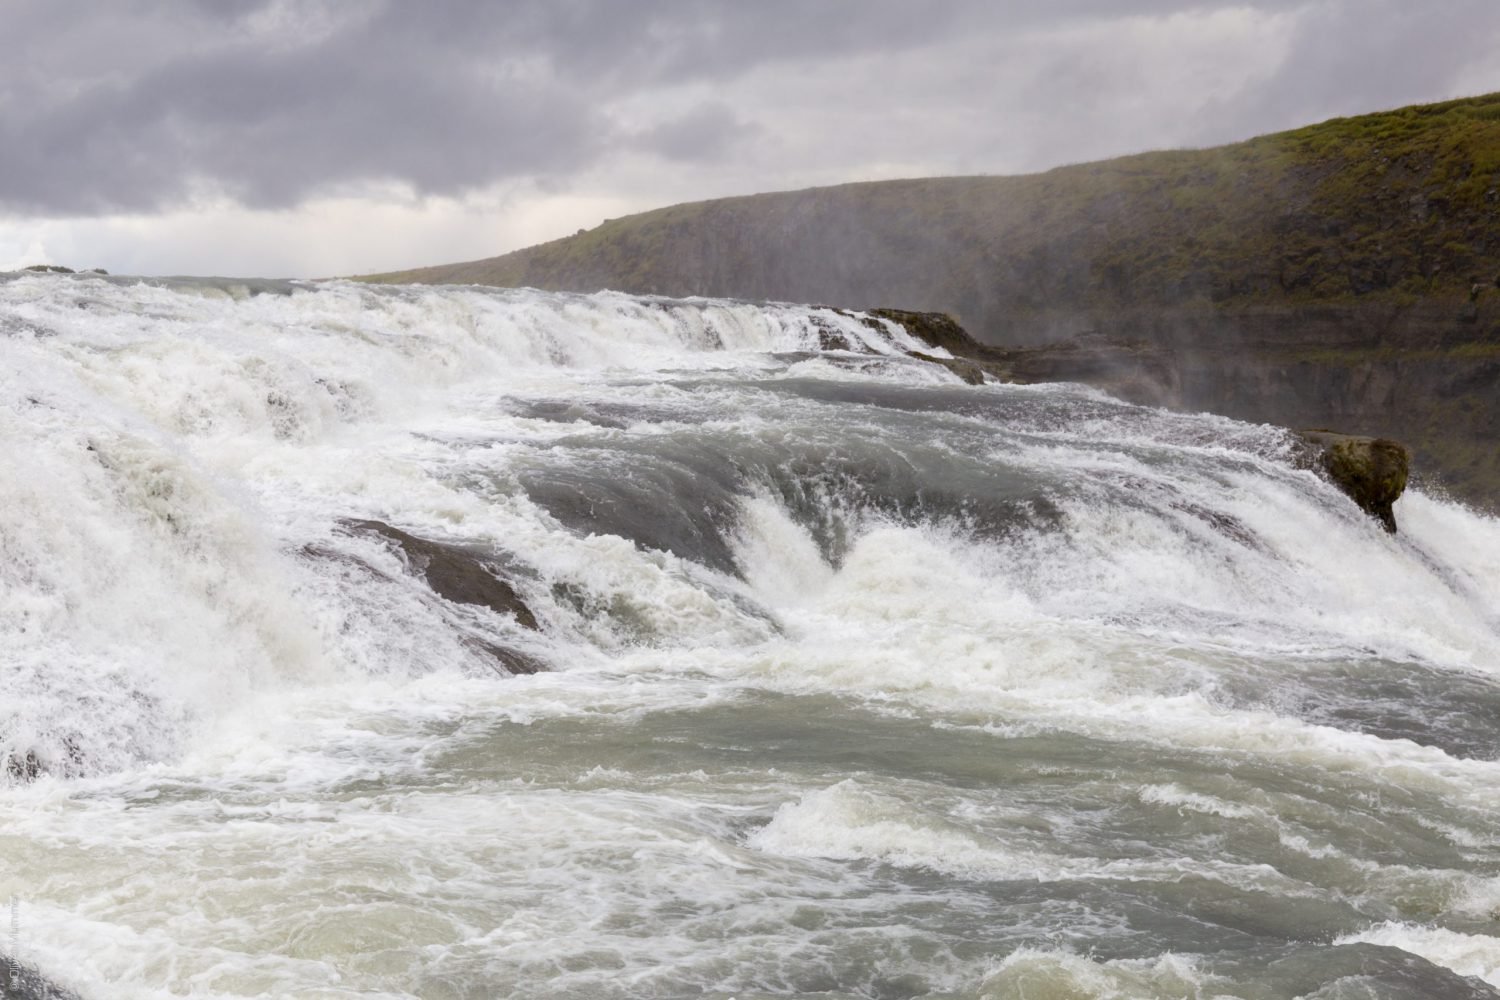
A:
<point x="858" y="681"/>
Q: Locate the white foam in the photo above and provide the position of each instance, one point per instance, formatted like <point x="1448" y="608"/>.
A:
<point x="1180" y="798"/>
<point x="780" y="559"/>
<point x="907" y="599"/>
<point x="1466" y="954"/>
<point x="1033" y="972"/>
<point x="257" y="692"/>
<point x="847" y="821"/>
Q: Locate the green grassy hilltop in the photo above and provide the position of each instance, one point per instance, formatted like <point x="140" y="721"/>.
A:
<point x="1401" y="204"/>
<point x="1344" y="274"/>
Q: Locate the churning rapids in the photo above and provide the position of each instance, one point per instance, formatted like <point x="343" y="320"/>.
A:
<point x="854" y="680"/>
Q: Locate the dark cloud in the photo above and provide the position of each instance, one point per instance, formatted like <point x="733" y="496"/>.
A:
<point x="708" y="132"/>
<point x="139" y="105"/>
<point x="1350" y="56"/>
<point x="272" y="111"/>
<point x="135" y="106"/>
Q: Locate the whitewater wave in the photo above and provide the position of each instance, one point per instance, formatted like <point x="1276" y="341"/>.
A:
<point x="820" y="630"/>
<point x="182" y="460"/>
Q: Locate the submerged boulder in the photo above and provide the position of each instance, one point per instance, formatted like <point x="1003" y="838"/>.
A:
<point x="454" y="572"/>
<point x="1371" y="471"/>
<point x="463" y="575"/>
<point x="935" y="328"/>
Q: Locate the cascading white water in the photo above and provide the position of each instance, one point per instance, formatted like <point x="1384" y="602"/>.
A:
<point x="167" y="449"/>
<point x="858" y="680"/>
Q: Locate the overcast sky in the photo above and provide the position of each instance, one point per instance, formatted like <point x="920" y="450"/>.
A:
<point x="316" y="137"/>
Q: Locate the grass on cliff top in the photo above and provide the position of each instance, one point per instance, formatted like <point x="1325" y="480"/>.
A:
<point x="1402" y="203"/>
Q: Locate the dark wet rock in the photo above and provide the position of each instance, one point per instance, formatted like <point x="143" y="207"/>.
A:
<point x="935" y="328"/>
<point x="66" y="761"/>
<point x="49" y="269"/>
<point x="1131" y="369"/>
<point x="513" y="660"/>
<point x="1371" y="471"/>
<point x="832" y="338"/>
<point x="970" y="372"/>
<point x="932" y="328"/>
<point x="19" y="981"/>
<point x="456" y="573"/>
<point x="23" y="767"/>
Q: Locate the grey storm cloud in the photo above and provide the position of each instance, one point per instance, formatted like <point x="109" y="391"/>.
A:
<point x="138" y="106"/>
<point x="1363" y="55"/>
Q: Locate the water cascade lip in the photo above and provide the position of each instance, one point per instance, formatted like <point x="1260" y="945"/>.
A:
<point x="457" y="640"/>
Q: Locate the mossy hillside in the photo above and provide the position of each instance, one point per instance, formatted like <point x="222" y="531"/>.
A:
<point x="1397" y="206"/>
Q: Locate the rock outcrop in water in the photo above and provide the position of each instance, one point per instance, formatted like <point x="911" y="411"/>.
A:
<point x="1371" y="471"/>
<point x="970" y="372"/>
<point x="455" y="573"/>
<point x="462" y="575"/>
<point x="1134" y="370"/>
<point x="1341" y="275"/>
<point x="59" y="269"/>
<point x="23" y="766"/>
